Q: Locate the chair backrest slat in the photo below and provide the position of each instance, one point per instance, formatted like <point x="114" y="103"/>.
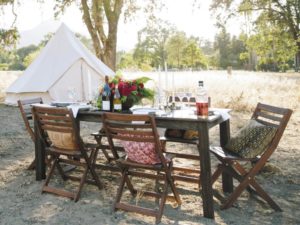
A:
<point x="267" y="123"/>
<point x="31" y="101"/>
<point x="134" y="125"/>
<point x="272" y="116"/>
<point x="62" y="118"/>
<point x="132" y="128"/>
<point x="269" y="116"/>
<point x="57" y="123"/>
<point x="130" y="131"/>
<point x="25" y="109"/>
<point x="59" y="126"/>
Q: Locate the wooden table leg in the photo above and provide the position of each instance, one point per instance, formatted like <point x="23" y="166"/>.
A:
<point x="40" y="166"/>
<point x="227" y="181"/>
<point x="205" y="173"/>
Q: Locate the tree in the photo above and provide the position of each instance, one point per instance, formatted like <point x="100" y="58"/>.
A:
<point x="175" y="47"/>
<point x="270" y="44"/>
<point x="101" y="18"/>
<point x="282" y="14"/>
<point x="8" y="37"/>
<point x="192" y="54"/>
<point x="126" y="61"/>
<point x="222" y="44"/>
<point x="152" y="40"/>
<point x="237" y="48"/>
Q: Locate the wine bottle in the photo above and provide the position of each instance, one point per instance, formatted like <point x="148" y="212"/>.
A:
<point x="105" y="102"/>
<point x="117" y="101"/>
<point x="202" y="100"/>
<point x="106" y="96"/>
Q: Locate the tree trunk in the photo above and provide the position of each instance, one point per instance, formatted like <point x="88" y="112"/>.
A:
<point x="105" y="43"/>
<point x="297" y="58"/>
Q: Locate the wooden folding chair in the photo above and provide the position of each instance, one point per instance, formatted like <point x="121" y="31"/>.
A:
<point x="25" y="109"/>
<point x="140" y="139"/>
<point x="231" y="163"/>
<point x="60" y="135"/>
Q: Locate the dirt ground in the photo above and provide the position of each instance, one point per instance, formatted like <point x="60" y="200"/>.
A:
<point x="21" y="201"/>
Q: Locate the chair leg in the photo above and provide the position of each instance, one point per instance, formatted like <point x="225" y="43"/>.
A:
<point x="90" y="167"/>
<point x="173" y="188"/>
<point x="162" y="200"/>
<point x="120" y="189"/>
<point x="236" y="193"/>
<point x="82" y="181"/>
<point x="260" y="191"/>
<point x="217" y="173"/>
<point x="50" y="173"/>
<point x="99" y="142"/>
<point x="61" y="171"/>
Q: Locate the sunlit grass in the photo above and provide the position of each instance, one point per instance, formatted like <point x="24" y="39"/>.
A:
<point x="240" y="91"/>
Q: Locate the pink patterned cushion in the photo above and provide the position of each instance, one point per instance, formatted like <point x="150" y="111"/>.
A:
<point x="141" y="152"/>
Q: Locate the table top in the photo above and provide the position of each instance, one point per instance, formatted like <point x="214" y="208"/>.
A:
<point x="181" y="119"/>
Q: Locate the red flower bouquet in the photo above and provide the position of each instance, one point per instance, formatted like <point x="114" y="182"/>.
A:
<point x="131" y="90"/>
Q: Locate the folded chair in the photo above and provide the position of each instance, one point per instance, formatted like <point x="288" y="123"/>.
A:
<point x="144" y="158"/>
<point x="60" y="135"/>
<point x="25" y="109"/>
<point x="254" y="144"/>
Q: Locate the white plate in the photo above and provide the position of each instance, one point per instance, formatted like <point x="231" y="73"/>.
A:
<point x="63" y="104"/>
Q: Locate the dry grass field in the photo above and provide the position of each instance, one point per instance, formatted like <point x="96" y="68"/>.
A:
<point x="22" y="202"/>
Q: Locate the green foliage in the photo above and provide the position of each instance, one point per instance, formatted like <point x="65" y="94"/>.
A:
<point x="125" y="61"/>
<point x="283" y="16"/>
<point x="229" y="49"/>
<point x="175" y="48"/>
<point x="31" y="57"/>
<point x="159" y="42"/>
<point x="3" y="66"/>
<point x="193" y="56"/>
<point x="150" y="51"/>
<point x="275" y="48"/>
<point x="134" y="90"/>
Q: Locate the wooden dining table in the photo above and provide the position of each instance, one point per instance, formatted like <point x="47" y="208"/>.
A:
<point x="176" y="120"/>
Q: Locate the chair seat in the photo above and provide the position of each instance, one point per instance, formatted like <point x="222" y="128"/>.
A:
<point x="224" y="154"/>
<point x="159" y="166"/>
<point x="87" y="147"/>
<point x="64" y="152"/>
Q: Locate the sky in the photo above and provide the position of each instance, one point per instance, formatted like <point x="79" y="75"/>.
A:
<point x="196" y="21"/>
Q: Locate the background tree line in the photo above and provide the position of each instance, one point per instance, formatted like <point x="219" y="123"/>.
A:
<point x="270" y="39"/>
<point x="160" y="45"/>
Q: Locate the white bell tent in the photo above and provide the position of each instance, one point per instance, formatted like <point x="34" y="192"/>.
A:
<point x="64" y="71"/>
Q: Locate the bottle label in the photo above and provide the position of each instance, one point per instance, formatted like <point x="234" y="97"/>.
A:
<point x="118" y="107"/>
<point x="106" y="105"/>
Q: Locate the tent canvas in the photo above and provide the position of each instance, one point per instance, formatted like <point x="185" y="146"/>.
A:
<point x="64" y="71"/>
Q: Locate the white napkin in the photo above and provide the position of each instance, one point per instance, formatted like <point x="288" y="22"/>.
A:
<point x="223" y="112"/>
<point x="76" y="108"/>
